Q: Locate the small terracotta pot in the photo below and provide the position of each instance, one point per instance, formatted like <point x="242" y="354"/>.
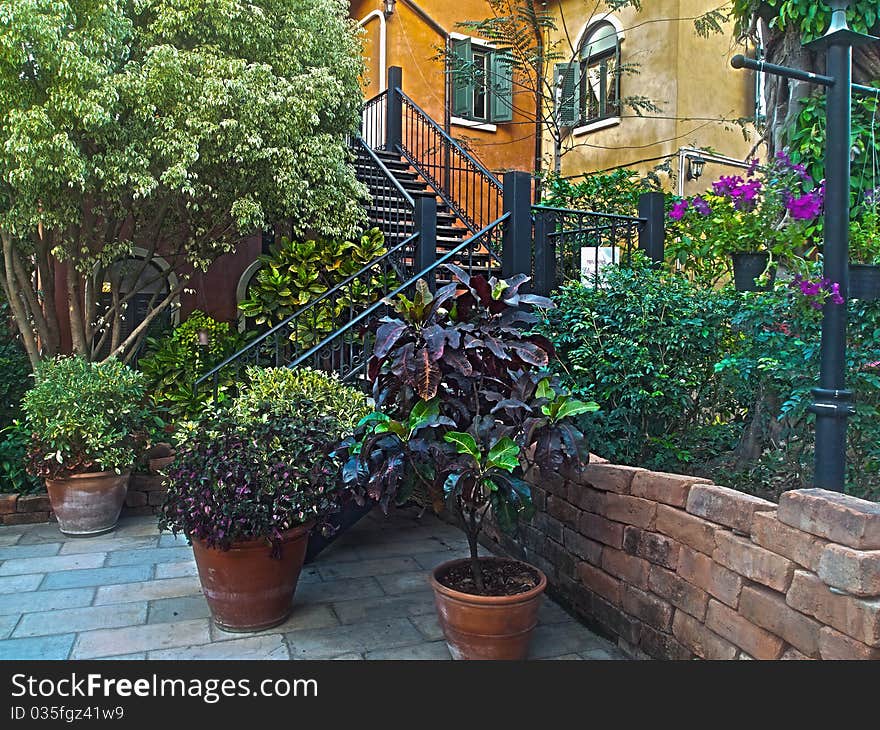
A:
<point x="487" y="627"/>
<point x="246" y="588"/>
<point x="88" y="504"/>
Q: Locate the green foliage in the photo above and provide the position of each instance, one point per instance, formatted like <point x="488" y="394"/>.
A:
<point x="14" y="477"/>
<point x="297" y="272"/>
<point x="85" y="417"/>
<point x="311" y="394"/>
<point x="864" y="237"/>
<point x="174" y="362"/>
<point x="643" y="346"/>
<point x="609" y="192"/>
<point x="809" y="17"/>
<point x="15" y="370"/>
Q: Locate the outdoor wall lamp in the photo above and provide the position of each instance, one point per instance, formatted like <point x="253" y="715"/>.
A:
<point x="389" y="7"/>
<point x="695" y="167"/>
<point x="204" y="338"/>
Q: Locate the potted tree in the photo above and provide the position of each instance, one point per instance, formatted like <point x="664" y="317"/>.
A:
<point x="464" y="399"/>
<point x="87" y="421"/>
<point x="864" y="248"/>
<point x="247" y="485"/>
<point x="760" y="222"/>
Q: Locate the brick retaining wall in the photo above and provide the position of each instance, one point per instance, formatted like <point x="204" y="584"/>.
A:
<point x="675" y="567"/>
<point x="145" y="494"/>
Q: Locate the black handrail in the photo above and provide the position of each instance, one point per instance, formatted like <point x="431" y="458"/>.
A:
<point x="575" y="211"/>
<point x="363" y="146"/>
<point x="448" y="257"/>
<point x="334" y="291"/>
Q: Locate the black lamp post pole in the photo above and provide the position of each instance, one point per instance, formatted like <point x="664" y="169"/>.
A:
<point x="832" y="402"/>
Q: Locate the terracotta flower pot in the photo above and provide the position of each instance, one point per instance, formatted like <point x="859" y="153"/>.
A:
<point x="487" y="627"/>
<point x="88" y="504"/>
<point x="246" y="588"/>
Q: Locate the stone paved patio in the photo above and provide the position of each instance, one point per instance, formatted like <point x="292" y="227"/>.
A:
<point x="134" y="594"/>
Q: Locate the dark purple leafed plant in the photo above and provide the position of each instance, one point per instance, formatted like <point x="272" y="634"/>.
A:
<point x="463" y="399"/>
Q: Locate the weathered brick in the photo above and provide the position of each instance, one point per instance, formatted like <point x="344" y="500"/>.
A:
<point x="678" y="592"/>
<point x="551" y="482"/>
<point x="662" y="645"/>
<point x="858" y="618"/>
<point x="539" y="497"/>
<point x="701" y="641"/>
<point x="853" y="571"/>
<point x="7" y="504"/>
<point x="687" y="529"/>
<point x="666" y="488"/>
<point x="648" y="608"/>
<point x="769" y="610"/>
<point x="155" y="498"/>
<point x="548" y="525"/>
<point x="738" y="630"/>
<point x="135" y="499"/>
<point x="26" y="518"/>
<point x="138" y="511"/>
<point x="607" y="477"/>
<point x="791" y="654"/>
<point x="599" y="582"/>
<point x="834" y="645"/>
<point x="602" y="530"/>
<point x="582" y="547"/>
<point x="560" y="556"/>
<point x="146" y="483"/>
<point x="742" y="556"/>
<point x="801" y="547"/>
<point x="627" y="567"/>
<point x="726" y="506"/>
<point x="33" y="503"/>
<point x="652" y="546"/>
<point x="699" y="569"/>
<point x="630" y="510"/>
<point x="587" y="498"/>
<point x="837" y="517"/>
<point x="614" y="620"/>
<point x="561" y="510"/>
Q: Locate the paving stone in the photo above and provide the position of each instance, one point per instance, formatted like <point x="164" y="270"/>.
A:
<point x="416" y="580"/>
<point x="39" y="550"/>
<point x="564" y="657"/>
<point x="351" y="656"/>
<point x="46" y="565"/>
<point x="150" y="556"/>
<point x="137" y="527"/>
<point x="168" y="539"/>
<point x="303" y="617"/>
<point x="184" y="608"/>
<point x="428" y="625"/>
<point x="19" y="583"/>
<point x="33" y="534"/>
<point x="137" y="657"/>
<point x="563" y="638"/>
<point x="182" y="569"/>
<point x="434" y="650"/>
<point x="150" y="637"/>
<point x="98" y="576"/>
<point x="39" y="647"/>
<point x="8" y="537"/>
<point x="97" y="544"/>
<point x="337" y="590"/>
<point x="359" y="569"/>
<point x="270" y="646"/>
<point x="361" y="637"/>
<point x="385" y="607"/>
<point x="7" y="624"/>
<point x="148" y="591"/>
<point x="603" y="655"/>
<point x="551" y="613"/>
<point x="81" y="619"/>
<point x="396" y="549"/>
<point x="30" y="601"/>
<point x="429" y="561"/>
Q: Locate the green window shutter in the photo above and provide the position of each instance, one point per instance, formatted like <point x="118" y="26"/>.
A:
<point x="501" y="85"/>
<point x="462" y="77"/>
<point x="567" y="87"/>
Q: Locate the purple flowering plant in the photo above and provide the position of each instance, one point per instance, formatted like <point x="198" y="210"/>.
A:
<point x="773" y="208"/>
<point x="864" y="230"/>
<point x="813" y="292"/>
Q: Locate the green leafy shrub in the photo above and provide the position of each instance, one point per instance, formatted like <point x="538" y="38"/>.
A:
<point x="85" y="417"/>
<point x="608" y="192"/>
<point x="172" y="364"/>
<point x="296" y="272"/>
<point x="643" y="345"/>
<point x="15" y="369"/>
<point x="306" y="392"/>
<point x="14" y="477"/>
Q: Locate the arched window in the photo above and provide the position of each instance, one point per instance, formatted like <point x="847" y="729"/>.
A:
<point x="588" y="90"/>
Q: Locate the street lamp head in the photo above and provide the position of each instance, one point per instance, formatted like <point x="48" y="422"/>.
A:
<point x="695" y="167"/>
<point x="838" y="15"/>
<point x="388" y="8"/>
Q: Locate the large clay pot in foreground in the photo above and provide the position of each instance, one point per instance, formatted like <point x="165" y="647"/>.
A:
<point x="246" y="588"/>
<point x="88" y="504"/>
<point x="487" y="627"/>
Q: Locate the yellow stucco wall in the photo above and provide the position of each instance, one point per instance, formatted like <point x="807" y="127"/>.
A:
<point x="414" y="46"/>
<point x="688" y="77"/>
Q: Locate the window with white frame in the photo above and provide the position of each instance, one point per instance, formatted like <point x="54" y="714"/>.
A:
<point x="588" y="88"/>
<point x="482" y="82"/>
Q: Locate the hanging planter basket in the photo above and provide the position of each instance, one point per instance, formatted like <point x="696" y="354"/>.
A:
<point x="749" y="266"/>
<point x="864" y="282"/>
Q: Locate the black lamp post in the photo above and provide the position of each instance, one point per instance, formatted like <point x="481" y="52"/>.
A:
<point x="832" y="402"/>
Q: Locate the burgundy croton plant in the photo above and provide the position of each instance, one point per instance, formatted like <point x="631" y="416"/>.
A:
<point x="464" y="404"/>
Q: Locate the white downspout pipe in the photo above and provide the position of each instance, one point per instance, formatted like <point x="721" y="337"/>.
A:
<point x="383" y="75"/>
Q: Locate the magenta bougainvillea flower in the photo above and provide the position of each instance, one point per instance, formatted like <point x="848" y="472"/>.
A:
<point x="701" y="206"/>
<point x="678" y="209"/>
<point x="805" y="207"/>
<point x="817" y="291"/>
